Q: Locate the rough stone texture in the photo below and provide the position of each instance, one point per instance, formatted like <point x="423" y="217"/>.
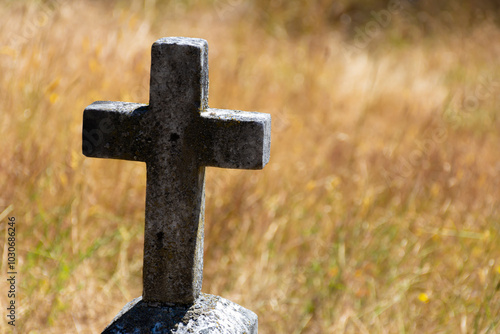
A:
<point x="209" y="314"/>
<point x="177" y="135"/>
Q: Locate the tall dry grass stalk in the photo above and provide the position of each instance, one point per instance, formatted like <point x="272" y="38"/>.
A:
<point x="379" y="210"/>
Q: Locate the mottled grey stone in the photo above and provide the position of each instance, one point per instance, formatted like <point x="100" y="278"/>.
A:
<point x="209" y="314"/>
<point x="177" y="135"/>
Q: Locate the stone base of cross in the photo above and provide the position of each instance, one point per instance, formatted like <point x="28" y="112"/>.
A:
<point x="209" y="314"/>
<point x="177" y="135"/>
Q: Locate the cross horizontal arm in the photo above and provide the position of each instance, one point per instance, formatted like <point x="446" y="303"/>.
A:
<point x="235" y="139"/>
<point x="111" y="130"/>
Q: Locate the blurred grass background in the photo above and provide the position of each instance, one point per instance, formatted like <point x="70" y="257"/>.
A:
<point x="379" y="210"/>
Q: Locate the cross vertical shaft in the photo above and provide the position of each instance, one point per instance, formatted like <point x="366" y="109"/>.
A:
<point x="173" y="242"/>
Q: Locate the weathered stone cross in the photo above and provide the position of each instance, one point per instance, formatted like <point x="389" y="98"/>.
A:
<point x="177" y="135"/>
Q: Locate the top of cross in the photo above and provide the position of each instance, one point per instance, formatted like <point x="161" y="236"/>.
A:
<point x="177" y="135"/>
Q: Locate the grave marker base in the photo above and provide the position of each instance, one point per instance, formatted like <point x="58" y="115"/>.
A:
<point x="208" y="314"/>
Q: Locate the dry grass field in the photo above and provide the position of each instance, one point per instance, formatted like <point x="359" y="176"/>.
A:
<point x="378" y="212"/>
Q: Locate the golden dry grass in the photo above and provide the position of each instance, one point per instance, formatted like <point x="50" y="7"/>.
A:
<point x="379" y="210"/>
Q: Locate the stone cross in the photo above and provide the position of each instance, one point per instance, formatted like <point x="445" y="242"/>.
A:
<point x="177" y="135"/>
